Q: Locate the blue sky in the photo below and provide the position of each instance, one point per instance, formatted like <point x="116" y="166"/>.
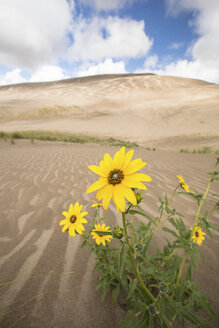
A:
<point x="56" y="39"/>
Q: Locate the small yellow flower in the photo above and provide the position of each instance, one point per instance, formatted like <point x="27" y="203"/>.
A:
<point x="117" y="178"/>
<point x="96" y="204"/>
<point x="101" y="239"/>
<point x="182" y="182"/>
<point x="73" y="220"/>
<point x="198" y="235"/>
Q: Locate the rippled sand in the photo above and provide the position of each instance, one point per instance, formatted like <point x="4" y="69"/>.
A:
<point x="55" y="286"/>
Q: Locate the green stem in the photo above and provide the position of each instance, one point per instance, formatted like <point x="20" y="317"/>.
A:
<point x="169" y="256"/>
<point x="147" y="291"/>
<point x="133" y="262"/>
<point x="88" y="241"/>
<point x="212" y="211"/>
<point x="133" y="237"/>
<point x="181" y="268"/>
<point x="161" y="215"/>
<point x="202" y="201"/>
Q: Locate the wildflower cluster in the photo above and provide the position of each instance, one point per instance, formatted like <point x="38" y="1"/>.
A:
<point x="158" y="285"/>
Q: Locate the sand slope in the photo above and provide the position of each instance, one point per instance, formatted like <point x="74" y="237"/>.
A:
<point x="167" y="112"/>
<point x="55" y="287"/>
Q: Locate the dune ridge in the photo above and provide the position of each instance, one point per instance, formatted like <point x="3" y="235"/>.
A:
<point x="148" y="109"/>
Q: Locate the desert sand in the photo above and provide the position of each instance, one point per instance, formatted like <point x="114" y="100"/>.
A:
<point x="53" y="282"/>
<point x="51" y="277"/>
<point x="154" y="111"/>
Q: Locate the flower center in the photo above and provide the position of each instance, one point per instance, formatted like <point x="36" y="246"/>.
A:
<point x="115" y="177"/>
<point x="73" y="218"/>
<point x="197" y="234"/>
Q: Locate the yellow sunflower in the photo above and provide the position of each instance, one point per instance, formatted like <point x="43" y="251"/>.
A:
<point x="198" y="235"/>
<point x="117" y="177"/>
<point x="95" y="204"/>
<point x="73" y="220"/>
<point x="182" y="182"/>
<point x="99" y="238"/>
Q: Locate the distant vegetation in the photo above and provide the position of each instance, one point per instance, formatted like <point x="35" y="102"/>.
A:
<point x="203" y="150"/>
<point x="64" y="137"/>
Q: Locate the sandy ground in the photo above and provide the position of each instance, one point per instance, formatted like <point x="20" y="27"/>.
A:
<point x="55" y="286"/>
<point x="161" y="111"/>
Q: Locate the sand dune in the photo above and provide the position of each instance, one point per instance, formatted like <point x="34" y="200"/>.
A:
<point x="162" y="111"/>
<point x="55" y="286"/>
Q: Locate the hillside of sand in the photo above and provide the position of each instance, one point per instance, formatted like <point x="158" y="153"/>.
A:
<point x="155" y="111"/>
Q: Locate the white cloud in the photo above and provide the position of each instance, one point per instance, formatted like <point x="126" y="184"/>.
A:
<point x="113" y="37"/>
<point x="190" y="69"/>
<point x="150" y="62"/>
<point x="107" y="4"/>
<point x="205" y="50"/>
<point x="106" y="67"/>
<point x="12" y="77"/>
<point x="48" y="73"/>
<point x="33" y="32"/>
<point x="41" y="74"/>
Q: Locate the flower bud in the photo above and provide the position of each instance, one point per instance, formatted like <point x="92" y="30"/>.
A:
<point x="118" y="232"/>
<point x="152" y="310"/>
<point x="164" y="288"/>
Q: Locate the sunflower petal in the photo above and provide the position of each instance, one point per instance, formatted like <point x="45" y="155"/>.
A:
<point x="83" y="220"/>
<point x="100" y="193"/>
<point x="139" y="177"/>
<point x="63" y="222"/>
<point x="127" y="158"/>
<point x="72" y="230"/>
<point x="108" y="192"/>
<point x="134" y="166"/>
<point x="96" y="169"/>
<point x="129" y="194"/>
<point x="65" y="213"/>
<point x="97" y="185"/>
<point x="118" y="158"/>
<point x="133" y="184"/>
<point x="107" y="160"/>
<point x="119" y="198"/>
<point x="65" y="228"/>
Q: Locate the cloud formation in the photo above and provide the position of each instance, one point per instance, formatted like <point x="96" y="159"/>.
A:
<point x="205" y="50"/>
<point x="113" y="37"/>
<point x="33" y="32"/>
<point x="106" y="67"/>
<point x="107" y="5"/>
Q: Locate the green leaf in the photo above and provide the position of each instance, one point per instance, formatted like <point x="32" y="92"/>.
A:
<point x="141" y="213"/>
<point x="148" y="242"/>
<point x="129" y="322"/>
<point x="150" y="322"/>
<point x="98" y="267"/>
<point x="132" y="287"/>
<point x="170" y="231"/>
<point x="95" y="214"/>
<point x="162" y="308"/>
<point x="103" y="233"/>
<point x="195" y="319"/>
<point x="104" y="219"/>
<point x="214" y="227"/>
<point x="106" y="287"/>
<point x="172" y="221"/>
<point x="166" y="199"/>
<point x="115" y="294"/>
<point x="122" y="258"/>
<point x="189" y="273"/>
